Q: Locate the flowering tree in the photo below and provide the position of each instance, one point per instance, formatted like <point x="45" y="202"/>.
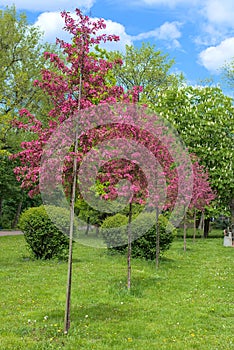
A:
<point x="203" y="194"/>
<point x="139" y="157"/>
<point x="76" y="83"/>
<point x="63" y="87"/>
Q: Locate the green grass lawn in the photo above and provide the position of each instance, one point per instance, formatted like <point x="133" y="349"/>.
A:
<point x="187" y="304"/>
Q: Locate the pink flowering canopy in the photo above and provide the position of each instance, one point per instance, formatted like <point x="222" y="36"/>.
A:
<point x="125" y="152"/>
<point x="131" y="154"/>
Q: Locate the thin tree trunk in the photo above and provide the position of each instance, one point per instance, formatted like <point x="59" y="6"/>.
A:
<point x="232" y="211"/>
<point x="206" y="227"/>
<point x="17" y="215"/>
<point x="72" y="214"/>
<point x="194" y="225"/>
<point x="69" y="272"/>
<point x="1" y="206"/>
<point x="185" y="230"/>
<point x="87" y="227"/>
<point x="201" y="224"/>
<point x="129" y="246"/>
<point x="97" y="230"/>
<point x="157" y="239"/>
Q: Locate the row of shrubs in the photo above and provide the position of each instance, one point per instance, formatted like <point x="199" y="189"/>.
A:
<point x="47" y="240"/>
<point x="143" y="234"/>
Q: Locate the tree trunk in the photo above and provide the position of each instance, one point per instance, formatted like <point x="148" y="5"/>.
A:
<point x="157" y="239"/>
<point x="232" y="211"/>
<point x="88" y="226"/>
<point x="185" y="231"/>
<point x="201" y="224"/>
<point x="129" y="246"/>
<point x="1" y="206"/>
<point x="17" y="215"/>
<point x="194" y="225"/>
<point x="72" y="215"/>
<point x="206" y="227"/>
<point x="97" y="230"/>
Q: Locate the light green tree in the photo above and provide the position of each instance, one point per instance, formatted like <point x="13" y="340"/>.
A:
<point x="21" y="61"/>
<point x="204" y="118"/>
<point x="145" y="67"/>
<point x="228" y="73"/>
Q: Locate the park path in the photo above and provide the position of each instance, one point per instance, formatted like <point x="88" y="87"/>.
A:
<point x="10" y="233"/>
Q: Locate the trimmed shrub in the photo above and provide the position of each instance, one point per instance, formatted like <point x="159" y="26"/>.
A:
<point x="45" y="240"/>
<point x="114" y="232"/>
<point x="143" y="239"/>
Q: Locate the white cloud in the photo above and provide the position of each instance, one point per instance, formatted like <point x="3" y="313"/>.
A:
<point x="169" y="31"/>
<point x="49" y="5"/>
<point x="216" y="23"/>
<point x="210" y="35"/>
<point x="214" y="57"/>
<point x="51" y="23"/>
<point x="220" y="12"/>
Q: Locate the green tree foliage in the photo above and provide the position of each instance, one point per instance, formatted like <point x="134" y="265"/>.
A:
<point x="21" y="61"/>
<point x="228" y="74"/>
<point x="7" y="181"/>
<point x="204" y="118"/>
<point x="89" y="215"/>
<point x="94" y="217"/>
<point x="145" y="67"/>
<point x="9" y="189"/>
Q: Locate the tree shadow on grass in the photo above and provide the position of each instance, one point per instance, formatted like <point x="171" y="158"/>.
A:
<point x="164" y="261"/>
<point x="97" y="311"/>
<point x="139" y="284"/>
<point x="101" y="311"/>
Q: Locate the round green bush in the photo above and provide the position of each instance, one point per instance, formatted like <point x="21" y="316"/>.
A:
<point x="143" y="239"/>
<point x="114" y="232"/>
<point x="45" y="240"/>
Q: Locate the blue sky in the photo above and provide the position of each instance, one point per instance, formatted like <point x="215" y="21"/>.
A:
<point x="198" y="34"/>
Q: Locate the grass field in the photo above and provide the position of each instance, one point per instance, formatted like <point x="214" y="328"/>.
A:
<point x="187" y="304"/>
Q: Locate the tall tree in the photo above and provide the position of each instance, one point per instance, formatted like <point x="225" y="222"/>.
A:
<point x="77" y="82"/>
<point x="21" y="61"/>
<point x="204" y="118"/>
<point x="145" y="67"/>
<point x="228" y="74"/>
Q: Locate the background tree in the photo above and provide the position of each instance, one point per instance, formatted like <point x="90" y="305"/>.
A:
<point x="203" y="117"/>
<point x="91" y="216"/>
<point x="21" y="61"/>
<point x="12" y="198"/>
<point x="202" y="194"/>
<point x="145" y="67"/>
<point x="228" y="73"/>
<point x="9" y="188"/>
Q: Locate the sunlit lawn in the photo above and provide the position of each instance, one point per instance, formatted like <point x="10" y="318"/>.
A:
<point x="187" y="304"/>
